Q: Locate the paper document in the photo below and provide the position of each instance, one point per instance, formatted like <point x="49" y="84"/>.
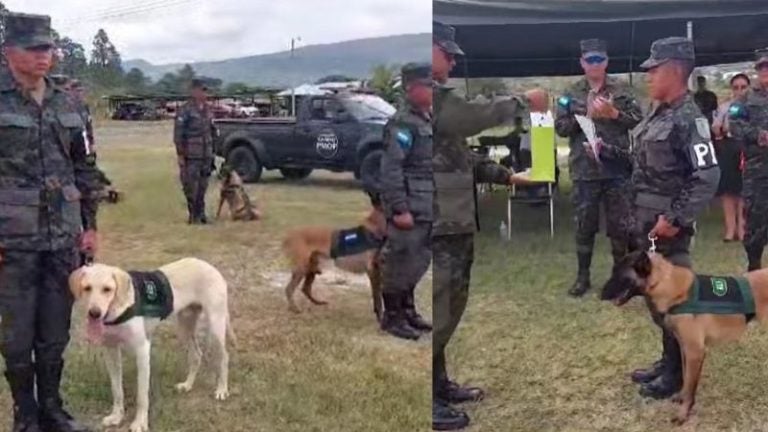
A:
<point x="588" y="127"/>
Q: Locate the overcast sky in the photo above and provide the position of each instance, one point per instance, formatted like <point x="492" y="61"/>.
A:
<point x="170" y="31"/>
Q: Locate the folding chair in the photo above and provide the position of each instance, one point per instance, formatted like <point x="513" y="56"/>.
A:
<point x="512" y="197"/>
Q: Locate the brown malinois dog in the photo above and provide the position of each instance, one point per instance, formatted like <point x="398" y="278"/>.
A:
<point x="354" y="250"/>
<point x="700" y="310"/>
<point x="233" y="193"/>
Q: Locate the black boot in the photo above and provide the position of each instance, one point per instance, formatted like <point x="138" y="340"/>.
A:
<point x="642" y="376"/>
<point x="446" y="418"/>
<point x="755" y="257"/>
<point x="670" y="381"/>
<point x="21" y="380"/>
<point x="446" y="390"/>
<point x="414" y="319"/>
<point x="582" y="284"/>
<point x="191" y="211"/>
<point x="394" y="321"/>
<point x="53" y="417"/>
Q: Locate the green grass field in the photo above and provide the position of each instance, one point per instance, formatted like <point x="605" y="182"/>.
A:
<point x="328" y="369"/>
<point x="553" y="363"/>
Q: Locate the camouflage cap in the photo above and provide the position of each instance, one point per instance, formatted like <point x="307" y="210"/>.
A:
<point x="28" y="31"/>
<point x="420" y="73"/>
<point x="671" y="48"/>
<point x="444" y="36"/>
<point x="761" y="56"/>
<point x="594" y="47"/>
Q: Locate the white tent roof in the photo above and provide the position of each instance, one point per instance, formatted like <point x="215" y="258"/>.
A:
<point x="304" y="90"/>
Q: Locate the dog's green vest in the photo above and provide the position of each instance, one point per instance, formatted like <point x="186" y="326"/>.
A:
<point x="353" y="241"/>
<point x="154" y="297"/>
<point x="718" y="295"/>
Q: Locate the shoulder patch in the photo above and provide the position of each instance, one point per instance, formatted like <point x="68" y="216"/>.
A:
<point x="564" y="101"/>
<point x="404" y="138"/>
<point x="737" y="111"/>
<point x="702" y="126"/>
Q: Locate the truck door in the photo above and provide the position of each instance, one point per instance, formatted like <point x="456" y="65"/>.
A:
<point x="320" y="142"/>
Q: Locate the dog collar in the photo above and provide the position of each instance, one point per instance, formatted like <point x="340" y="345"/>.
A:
<point x="153" y="294"/>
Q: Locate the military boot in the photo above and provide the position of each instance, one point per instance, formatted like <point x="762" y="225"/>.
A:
<point x="670" y="380"/>
<point x="755" y="257"/>
<point x="21" y="380"/>
<point x="447" y="418"/>
<point x="394" y="321"/>
<point x="646" y="375"/>
<point x="191" y="211"/>
<point x="582" y="284"/>
<point x="414" y="319"/>
<point x="53" y="417"/>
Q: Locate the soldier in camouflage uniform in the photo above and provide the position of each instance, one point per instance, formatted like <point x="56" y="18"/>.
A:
<point x="675" y="175"/>
<point x="614" y="111"/>
<point x="749" y="124"/>
<point x="456" y="170"/>
<point x="46" y="214"/>
<point x="407" y="193"/>
<point x="193" y="137"/>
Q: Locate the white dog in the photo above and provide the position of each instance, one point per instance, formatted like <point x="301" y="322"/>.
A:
<point x="124" y="308"/>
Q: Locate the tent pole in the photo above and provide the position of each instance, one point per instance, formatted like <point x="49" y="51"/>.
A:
<point x="632" y="54"/>
<point x="689" y="30"/>
<point x="466" y="77"/>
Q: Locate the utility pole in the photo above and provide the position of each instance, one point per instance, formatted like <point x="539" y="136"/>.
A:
<point x="293" y="86"/>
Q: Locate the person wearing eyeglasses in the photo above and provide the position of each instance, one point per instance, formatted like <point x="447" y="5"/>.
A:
<point x="598" y="178"/>
<point x="748" y="119"/>
<point x="729" y="152"/>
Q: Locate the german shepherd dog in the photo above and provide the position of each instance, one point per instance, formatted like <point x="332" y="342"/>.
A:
<point x="671" y="289"/>
<point x="233" y="193"/>
<point x="307" y="248"/>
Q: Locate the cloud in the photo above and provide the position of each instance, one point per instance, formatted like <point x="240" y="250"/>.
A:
<point x="196" y="30"/>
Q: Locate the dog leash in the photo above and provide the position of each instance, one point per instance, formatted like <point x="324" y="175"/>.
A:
<point x="652" y="239"/>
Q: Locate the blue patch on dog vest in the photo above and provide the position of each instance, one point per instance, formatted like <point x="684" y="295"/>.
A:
<point x="354" y="241"/>
<point x="404" y="139"/>
<point x="719" y="296"/>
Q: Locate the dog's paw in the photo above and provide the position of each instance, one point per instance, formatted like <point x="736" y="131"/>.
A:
<point x="139" y="426"/>
<point x="221" y="394"/>
<point x="295" y="309"/>
<point x="680" y="419"/>
<point x="184" y="387"/>
<point x="113" y="419"/>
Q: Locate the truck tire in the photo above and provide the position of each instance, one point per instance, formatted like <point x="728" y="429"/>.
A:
<point x="245" y="162"/>
<point x="295" y="173"/>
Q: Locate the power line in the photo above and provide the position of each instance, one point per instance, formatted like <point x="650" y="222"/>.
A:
<point x="152" y="5"/>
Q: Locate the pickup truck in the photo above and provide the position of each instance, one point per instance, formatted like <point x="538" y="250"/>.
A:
<point x="335" y="132"/>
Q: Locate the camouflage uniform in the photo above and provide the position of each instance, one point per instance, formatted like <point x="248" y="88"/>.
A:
<point x="407" y="187"/>
<point x="675" y="174"/>
<point x="747" y="119"/>
<point x="457" y="169"/>
<point x="596" y="182"/>
<point x="46" y="200"/>
<point x="193" y="136"/>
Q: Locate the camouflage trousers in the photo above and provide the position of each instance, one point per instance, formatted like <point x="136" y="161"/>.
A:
<point x="755" y="194"/>
<point x="452" y="257"/>
<point x="587" y="197"/>
<point x="35" y="305"/>
<point x="194" y="175"/>
<point x="405" y="257"/>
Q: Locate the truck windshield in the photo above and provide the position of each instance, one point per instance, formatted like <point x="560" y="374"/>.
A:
<point x="368" y="107"/>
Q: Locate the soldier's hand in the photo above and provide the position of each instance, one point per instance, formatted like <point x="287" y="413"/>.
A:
<point x="403" y="221"/>
<point x="664" y="229"/>
<point x="604" y="108"/>
<point x="89" y="242"/>
<point x="762" y="138"/>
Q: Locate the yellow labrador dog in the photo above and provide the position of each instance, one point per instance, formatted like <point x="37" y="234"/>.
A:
<point x="123" y="308"/>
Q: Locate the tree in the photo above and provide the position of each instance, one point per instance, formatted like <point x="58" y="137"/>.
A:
<point x="106" y="64"/>
<point x="383" y="81"/>
<point x="185" y="76"/>
<point x="238" y="88"/>
<point x="136" y="82"/>
<point x="168" y="84"/>
<point x="335" y="78"/>
<point x="72" y="62"/>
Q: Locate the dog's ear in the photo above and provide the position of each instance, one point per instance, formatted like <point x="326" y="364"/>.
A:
<point x="643" y="265"/>
<point x="76" y="282"/>
<point x="124" y="295"/>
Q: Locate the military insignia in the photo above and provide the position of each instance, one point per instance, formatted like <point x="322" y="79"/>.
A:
<point x="703" y="155"/>
<point x="404" y="139"/>
<point x="151" y="291"/>
<point x="719" y="287"/>
<point x="564" y="101"/>
<point x="737" y="111"/>
<point x="702" y="126"/>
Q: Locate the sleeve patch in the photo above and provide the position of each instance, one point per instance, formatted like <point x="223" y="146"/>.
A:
<point x="702" y="155"/>
<point x="737" y="111"/>
<point x="702" y="126"/>
<point x="564" y="101"/>
<point x="404" y="139"/>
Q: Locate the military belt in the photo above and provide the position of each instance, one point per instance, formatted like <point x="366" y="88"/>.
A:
<point x="653" y="201"/>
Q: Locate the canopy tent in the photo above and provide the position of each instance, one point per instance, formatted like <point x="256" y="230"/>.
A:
<point x="503" y="38"/>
